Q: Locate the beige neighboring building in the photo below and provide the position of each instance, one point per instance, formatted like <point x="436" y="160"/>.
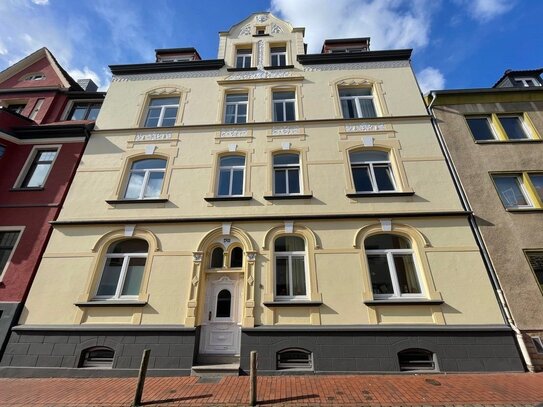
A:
<point x="494" y="138"/>
<point x="273" y="200"/>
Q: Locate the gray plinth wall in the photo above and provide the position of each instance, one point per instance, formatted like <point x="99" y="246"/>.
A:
<point x="375" y="349"/>
<point x="9" y="314"/>
<point x="57" y="351"/>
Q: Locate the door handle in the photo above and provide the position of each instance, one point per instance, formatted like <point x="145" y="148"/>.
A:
<point x="209" y="316"/>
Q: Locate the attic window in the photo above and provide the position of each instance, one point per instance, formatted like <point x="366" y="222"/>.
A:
<point x="527" y="82"/>
<point x="34" y="77"/>
<point x="260" y="30"/>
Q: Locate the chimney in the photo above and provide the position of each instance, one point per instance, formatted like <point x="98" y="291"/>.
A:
<point x="88" y="85"/>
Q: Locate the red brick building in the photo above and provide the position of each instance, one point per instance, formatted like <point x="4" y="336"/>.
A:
<point x="45" y="121"/>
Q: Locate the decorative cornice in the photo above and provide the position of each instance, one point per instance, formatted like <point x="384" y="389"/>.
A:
<point x="368" y="56"/>
<point x="356" y="66"/>
<point x="162" y="67"/>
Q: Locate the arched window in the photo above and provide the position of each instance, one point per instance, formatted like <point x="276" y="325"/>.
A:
<point x="217" y="258"/>
<point x="290" y="268"/>
<point x="123" y="271"/>
<point x="416" y="359"/>
<point x="224" y="304"/>
<point x="146" y="177"/>
<point x="357" y="103"/>
<point x="231" y="175"/>
<point x="236" y="257"/>
<point x="97" y="357"/>
<point x="371" y="171"/>
<point x="392" y="267"/>
<point x="286" y="174"/>
<point x="294" y="358"/>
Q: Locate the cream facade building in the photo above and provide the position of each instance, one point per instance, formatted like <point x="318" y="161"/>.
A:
<point x="273" y="200"/>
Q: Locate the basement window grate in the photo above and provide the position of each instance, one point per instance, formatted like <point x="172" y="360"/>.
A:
<point x="99" y="357"/>
<point x="294" y="358"/>
<point x="416" y="359"/>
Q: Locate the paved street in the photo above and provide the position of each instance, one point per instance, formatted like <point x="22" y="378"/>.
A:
<point x="464" y="389"/>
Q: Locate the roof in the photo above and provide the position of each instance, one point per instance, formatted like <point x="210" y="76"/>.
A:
<point x="510" y="72"/>
<point x="369" y="56"/>
<point x="158" y="67"/>
<point x="175" y="50"/>
<point x="65" y="78"/>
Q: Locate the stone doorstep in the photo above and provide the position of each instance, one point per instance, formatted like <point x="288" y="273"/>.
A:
<point x="230" y="369"/>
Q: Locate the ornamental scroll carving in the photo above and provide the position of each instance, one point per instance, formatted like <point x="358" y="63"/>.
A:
<point x="166" y="91"/>
<point x="246" y="30"/>
<point x="364" y="127"/>
<point x="226" y="133"/>
<point x="276" y="29"/>
<point x="285" y="130"/>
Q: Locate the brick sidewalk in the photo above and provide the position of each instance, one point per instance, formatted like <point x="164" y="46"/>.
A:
<point x="461" y="389"/>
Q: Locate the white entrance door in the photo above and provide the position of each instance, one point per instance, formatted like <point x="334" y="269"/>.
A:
<point x="221" y="329"/>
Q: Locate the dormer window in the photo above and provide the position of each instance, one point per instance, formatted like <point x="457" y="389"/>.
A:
<point x="260" y="30"/>
<point x="527" y="82"/>
<point x="34" y="77"/>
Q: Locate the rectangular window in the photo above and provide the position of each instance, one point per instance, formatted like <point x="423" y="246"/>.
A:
<point x="17" y="108"/>
<point x="537" y="182"/>
<point x="84" y="111"/>
<point x="8" y="241"/>
<point x="536" y="262"/>
<point x="512" y="191"/>
<point x="527" y="82"/>
<point x="357" y="103"/>
<point x="36" y="109"/>
<point x="514" y="127"/>
<point x="243" y="58"/>
<point x="236" y="108"/>
<point x="480" y="128"/>
<point x="39" y="169"/>
<point x="278" y="56"/>
<point x="284" y="106"/>
<point x="286" y="174"/>
<point x="538" y="343"/>
<point x="162" y="112"/>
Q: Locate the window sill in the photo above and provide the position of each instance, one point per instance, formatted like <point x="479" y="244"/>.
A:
<point x="135" y="201"/>
<point x="410" y="301"/>
<point x="293" y="303"/>
<point x="228" y="198"/>
<point x="279" y="197"/>
<point x="111" y="303"/>
<point x="379" y="194"/>
<point x="21" y="189"/>
<point x="531" y="140"/>
<point x="524" y="209"/>
<point x="253" y="68"/>
<point x="279" y="67"/>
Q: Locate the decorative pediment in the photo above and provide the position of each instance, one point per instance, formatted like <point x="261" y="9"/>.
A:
<point x="165" y="91"/>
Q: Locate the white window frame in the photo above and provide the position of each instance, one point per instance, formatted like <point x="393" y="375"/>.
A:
<point x="538" y="343"/>
<point x="72" y="103"/>
<point x="526" y="81"/>
<point x="162" y="111"/>
<point x="236" y="104"/>
<point x="397" y="294"/>
<point x="278" y="56"/>
<point x="122" y="275"/>
<point x="522" y="187"/>
<point x="39" y="76"/>
<point x="527" y="131"/>
<point x="290" y="255"/>
<point x="357" y="103"/>
<point x="370" y="165"/>
<point x="288" y="168"/>
<point x="30" y="161"/>
<point x="283" y="102"/>
<point x="490" y="125"/>
<point x="36" y="108"/>
<point x="147" y="173"/>
<point x="231" y="169"/>
<point x="19" y="229"/>
<point x="244" y="55"/>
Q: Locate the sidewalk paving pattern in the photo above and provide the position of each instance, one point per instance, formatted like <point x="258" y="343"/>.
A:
<point x="363" y="390"/>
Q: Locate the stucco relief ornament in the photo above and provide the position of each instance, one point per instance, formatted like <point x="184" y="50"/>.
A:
<point x="276" y="29"/>
<point x="285" y="130"/>
<point x="197" y="256"/>
<point x="225" y="133"/>
<point x="260" y="62"/>
<point x="251" y="256"/>
<point x="261" y="18"/>
<point x="246" y="30"/>
<point x="364" y="127"/>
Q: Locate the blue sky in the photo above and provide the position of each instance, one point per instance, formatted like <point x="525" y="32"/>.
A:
<point x="457" y="43"/>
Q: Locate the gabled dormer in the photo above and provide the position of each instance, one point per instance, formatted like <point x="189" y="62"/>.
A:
<point x="346" y="45"/>
<point x="520" y="79"/>
<point x="177" y="55"/>
<point x="261" y="41"/>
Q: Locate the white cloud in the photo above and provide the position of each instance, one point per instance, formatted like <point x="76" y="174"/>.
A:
<point x="430" y="79"/>
<point x="41" y="2"/>
<point x="486" y="10"/>
<point x="390" y="23"/>
<point x="87" y="73"/>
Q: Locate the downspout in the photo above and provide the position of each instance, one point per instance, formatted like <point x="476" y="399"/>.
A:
<point x="504" y="308"/>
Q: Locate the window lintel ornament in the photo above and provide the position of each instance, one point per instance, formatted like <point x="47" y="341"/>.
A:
<point x="400" y="228"/>
<point x="167" y="90"/>
<point x="302" y="230"/>
<point x="197" y="256"/>
<point x="355" y="82"/>
<point x="119" y="234"/>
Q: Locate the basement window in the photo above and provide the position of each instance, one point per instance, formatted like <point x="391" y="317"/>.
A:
<point x="412" y="360"/>
<point x="294" y="358"/>
<point x="99" y="357"/>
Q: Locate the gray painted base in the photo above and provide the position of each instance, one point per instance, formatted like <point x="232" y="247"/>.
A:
<point x="9" y="314"/>
<point x="376" y="351"/>
<point x="58" y="352"/>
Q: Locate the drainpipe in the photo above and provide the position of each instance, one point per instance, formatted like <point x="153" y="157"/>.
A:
<point x="504" y="307"/>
